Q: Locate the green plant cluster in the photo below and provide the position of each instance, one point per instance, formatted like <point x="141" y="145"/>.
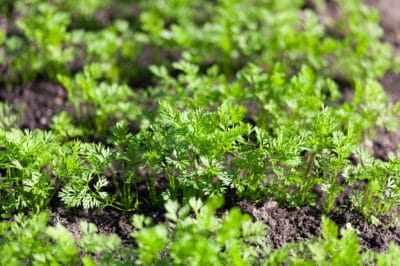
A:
<point x="182" y="100"/>
<point x="192" y="235"/>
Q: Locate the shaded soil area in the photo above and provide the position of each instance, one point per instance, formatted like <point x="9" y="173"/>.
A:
<point x="286" y="225"/>
<point x="41" y="100"/>
<point x="107" y="221"/>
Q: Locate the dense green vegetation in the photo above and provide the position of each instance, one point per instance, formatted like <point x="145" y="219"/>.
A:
<point x="239" y="97"/>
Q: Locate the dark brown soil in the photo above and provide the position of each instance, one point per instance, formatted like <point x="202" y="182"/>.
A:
<point x="376" y="238"/>
<point x="107" y="221"/>
<point x="286" y="225"/>
<point x="41" y="100"/>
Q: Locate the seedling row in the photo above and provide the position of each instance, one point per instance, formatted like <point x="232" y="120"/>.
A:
<point x="183" y="105"/>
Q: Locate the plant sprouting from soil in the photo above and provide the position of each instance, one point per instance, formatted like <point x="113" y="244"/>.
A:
<point x="27" y="162"/>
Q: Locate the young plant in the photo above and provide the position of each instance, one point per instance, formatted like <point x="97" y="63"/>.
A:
<point x="292" y="164"/>
<point x="329" y="150"/>
<point x="378" y="191"/>
<point x="10" y="116"/>
<point x="63" y="126"/>
<point x="44" y="48"/>
<point x="98" y="248"/>
<point x="82" y="169"/>
<point x="28" y="240"/>
<point x="191" y="148"/>
<point x="97" y="176"/>
<point x="331" y="249"/>
<point x="97" y="103"/>
<point x="114" y="48"/>
<point x="201" y="239"/>
<point x="124" y="170"/>
<point x="369" y="109"/>
<point x="27" y="162"/>
<point x="392" y="257"/>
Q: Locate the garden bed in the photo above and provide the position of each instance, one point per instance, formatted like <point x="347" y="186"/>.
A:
<point x="44" y="92"/>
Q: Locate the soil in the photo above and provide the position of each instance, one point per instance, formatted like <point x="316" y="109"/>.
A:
<point x="39" y="101"/>
<point x="43" y="99"/>
<point x="285" y="225"/>
<point x="107" y="221"/>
